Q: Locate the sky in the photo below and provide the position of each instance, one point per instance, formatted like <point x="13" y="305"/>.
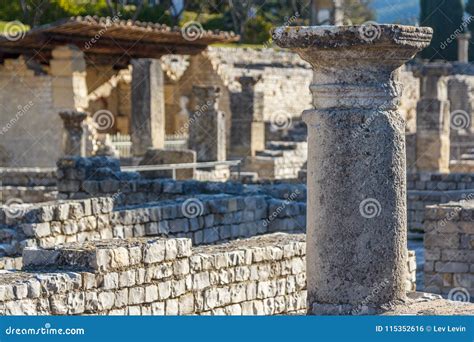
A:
<point x="397" y="11"/>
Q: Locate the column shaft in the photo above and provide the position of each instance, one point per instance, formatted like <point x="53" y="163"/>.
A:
<point x="356" y="212"/>
<point x="148" y="106"/>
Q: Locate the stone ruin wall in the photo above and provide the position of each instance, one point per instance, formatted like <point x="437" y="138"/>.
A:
<point x="262" y="275"/>
<point x="64" y="280"/>
<point x="205" y="219"/>
<point x="449" y="249"/>
<point x="279" y="163"/>
<point x="156" y="276"/>
<point x="434" y="188"/>
<point x="132" y="189"/>
<point x="27" y="185"/>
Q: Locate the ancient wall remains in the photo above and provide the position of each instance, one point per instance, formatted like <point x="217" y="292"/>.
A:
<point x="205" y="219"/>
<point x="449" y="249"/>
<point x="263" y="275"/>
<point x="28" y="185"/>
<point x="434" y="188"/>
<point x="159" y="276"/>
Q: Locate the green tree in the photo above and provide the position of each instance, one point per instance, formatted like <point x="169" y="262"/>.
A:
<point x="446" y="19"/>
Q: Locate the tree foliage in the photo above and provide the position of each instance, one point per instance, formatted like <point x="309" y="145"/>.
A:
<point x="446" y="19"/>
<point x="252" y="19"/>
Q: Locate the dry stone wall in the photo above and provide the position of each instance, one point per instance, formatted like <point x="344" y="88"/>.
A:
<point x="426" y="189"/>
<point x="29" y="185"/>
<point x="258" y="276"/>
<point x="449" y="249"/>
<point x="205" y="219"/>
<point x="263" y="275"/>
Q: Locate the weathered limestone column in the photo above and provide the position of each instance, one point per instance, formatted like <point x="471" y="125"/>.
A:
<point x="207" y="130"/>
<point x="356" y="217"/>
<point x="73" y="140"/>
<point x="148" y="106"/>
<point x="463" y="47"/>
<point x="248" y="129"/>
<point x="433" y="119"/>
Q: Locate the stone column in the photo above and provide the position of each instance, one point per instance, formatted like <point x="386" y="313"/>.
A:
<point x="148" y="106"/>
<point x="207" y="130"/>
<point x="247" y="129"/>
<point x="433" y="119"/>
<point x="356" y="217"/>
<point x="73" y="140"/>
<point x="463" y="47"/>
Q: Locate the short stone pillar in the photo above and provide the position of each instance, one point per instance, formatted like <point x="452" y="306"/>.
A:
<point x="247" y="129"/>
<point x="148" y="106"/>
<point x="73" y="139"/>
<point x="463" y="47"/>
<point x="433" y="119"/>
<point x="356" y="217"/>
<point x="207" y="129"/>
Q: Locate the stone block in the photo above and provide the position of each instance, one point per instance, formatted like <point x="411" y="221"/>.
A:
<point x="154" y="252"/>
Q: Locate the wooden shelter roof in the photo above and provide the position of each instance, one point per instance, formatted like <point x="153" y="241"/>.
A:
<point x="106" y="38"/>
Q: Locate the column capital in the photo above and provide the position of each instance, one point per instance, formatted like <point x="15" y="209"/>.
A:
<point x="465" y="36"/>
<point x="248" y="82"/>
<point x="206" y="94"/>
<point x="73" y="132"/>
<point x="353" y="65"/>
<point x="72" y="118"/>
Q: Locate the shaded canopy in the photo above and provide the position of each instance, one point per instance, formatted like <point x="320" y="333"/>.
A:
<point x="106" y="41"/>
